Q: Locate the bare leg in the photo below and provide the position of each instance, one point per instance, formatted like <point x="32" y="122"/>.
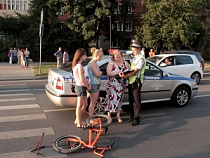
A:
<point x="93" y="101"/>
<point x="118" y="117"/>
<point x="80" y="104"/>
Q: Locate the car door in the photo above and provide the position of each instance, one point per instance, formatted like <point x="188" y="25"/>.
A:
<point x="157" y="84"/>
<point x="183" y="66"/>
<point x="104" y="76"/>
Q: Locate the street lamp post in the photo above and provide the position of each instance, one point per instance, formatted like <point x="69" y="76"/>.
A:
<point x="41" y="27"/>
<point x="110" y="32"/>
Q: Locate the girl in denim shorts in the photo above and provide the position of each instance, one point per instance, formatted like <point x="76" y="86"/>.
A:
<point x="94" y="75"/>
<point x="81" y="84"/>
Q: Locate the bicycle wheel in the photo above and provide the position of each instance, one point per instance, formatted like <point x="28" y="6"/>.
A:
<point x="100" y="106"/>
<point x="105" y="120"/>
<point x="63" y="145"/>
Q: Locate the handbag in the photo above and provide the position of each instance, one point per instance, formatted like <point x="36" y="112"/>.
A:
<point x="72" y="86"/>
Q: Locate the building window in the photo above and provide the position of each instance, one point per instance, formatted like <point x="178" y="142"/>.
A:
<point x="14" y="4"/>
<point x="129" y="9"/>
<point x="118" y="10"/>
<point x="128" y="26"/>
<point x="117" y="26"/>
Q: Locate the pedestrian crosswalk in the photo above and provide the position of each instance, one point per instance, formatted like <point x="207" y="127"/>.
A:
<point x="18" y="106"/>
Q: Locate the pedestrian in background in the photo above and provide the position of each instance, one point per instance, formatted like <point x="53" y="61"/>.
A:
<point x="151" y="53"/>
<point x="94" y="75"/>
<point x="26" y="54"/>
<point x="22" y="61"/>
<point x="19" y="56"/>
<point x="81" y="84"/>
<point x="136" y="77"/>
<point x="59" y="56"/>
<point x="115" y="85"/>
<point x="143" y="51"/>
<point x="10" y="55"/>
<point x="65" y="57"/>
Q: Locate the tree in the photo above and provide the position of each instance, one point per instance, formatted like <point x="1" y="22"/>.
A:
<point x="85" y="16"/>
<point x="169" y="24"/>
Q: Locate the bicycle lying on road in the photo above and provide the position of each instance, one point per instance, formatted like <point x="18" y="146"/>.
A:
<point x="71" y="143"/>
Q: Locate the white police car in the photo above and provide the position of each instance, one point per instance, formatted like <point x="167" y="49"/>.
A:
<point x="158" y="85"/>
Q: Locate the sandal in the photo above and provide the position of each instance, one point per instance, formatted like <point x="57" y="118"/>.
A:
<point x="83" y="125"/>
<point x="119" y="118"/>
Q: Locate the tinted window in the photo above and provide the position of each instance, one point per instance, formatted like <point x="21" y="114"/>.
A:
<point x="181" y="60"/>
<point x="103" y="69"/>
<point x="152" y="70"/>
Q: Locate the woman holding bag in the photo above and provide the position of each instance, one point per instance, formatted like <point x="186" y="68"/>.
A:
<point x="81" y="84"/>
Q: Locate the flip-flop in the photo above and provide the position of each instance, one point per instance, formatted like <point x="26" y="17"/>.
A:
<point x="83" y="125"/>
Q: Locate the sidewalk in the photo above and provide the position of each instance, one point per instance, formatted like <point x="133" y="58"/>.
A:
<point x="15" y="72"/>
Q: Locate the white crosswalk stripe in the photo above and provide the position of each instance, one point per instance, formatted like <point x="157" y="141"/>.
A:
<point x="15" y="90"/>
<point x="50" y="153"/>
<point x="16" y="107"/>
<point x="22" y="117"/>
<point x="17" y="99"/>
<point x="16" y="114"/>
<point x="26" y="133"/>
<point x="12" y="95"/>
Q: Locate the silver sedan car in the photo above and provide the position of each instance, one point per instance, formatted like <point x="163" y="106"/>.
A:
<point x="158" y="85"/>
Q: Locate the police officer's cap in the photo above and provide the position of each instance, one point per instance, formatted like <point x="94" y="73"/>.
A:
<point x="135" y="44"/>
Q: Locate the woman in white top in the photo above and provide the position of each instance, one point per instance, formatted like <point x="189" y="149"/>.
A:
<point x="81" y="84"/>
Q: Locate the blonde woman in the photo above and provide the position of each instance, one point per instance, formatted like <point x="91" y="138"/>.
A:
<point x="116" y="85"/>
<point x="81" y="85"/>
<point x="94" y="75"/>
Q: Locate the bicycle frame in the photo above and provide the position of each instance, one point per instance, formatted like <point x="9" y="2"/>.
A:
<point x="92" y="143"/>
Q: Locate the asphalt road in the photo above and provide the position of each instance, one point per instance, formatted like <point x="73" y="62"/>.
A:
<point x="165" y="131"/>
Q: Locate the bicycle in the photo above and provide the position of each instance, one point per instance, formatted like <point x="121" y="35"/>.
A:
<point x="71" y="143"/>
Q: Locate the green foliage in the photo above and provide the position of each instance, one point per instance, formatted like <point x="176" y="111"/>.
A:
<point x="85" y="16"/>
<point x="169" y="24"/>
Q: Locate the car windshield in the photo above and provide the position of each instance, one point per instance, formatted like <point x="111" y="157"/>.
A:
<point x="154" y="59"/>
<point x="68" y="67"/>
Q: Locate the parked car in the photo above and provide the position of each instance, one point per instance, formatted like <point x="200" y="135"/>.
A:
<point x="197" y="54"/>
<point x="182" y="64"/>
<point x="159" y="85"/>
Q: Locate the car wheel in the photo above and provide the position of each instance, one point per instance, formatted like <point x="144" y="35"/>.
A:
<point x="196" y="76"/>
<point x="181" y="96"/>
<point x="100" y="106"/>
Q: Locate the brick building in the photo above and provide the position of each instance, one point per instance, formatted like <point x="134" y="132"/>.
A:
<point x="124" y="22"/>
<point x="11" y="7"/>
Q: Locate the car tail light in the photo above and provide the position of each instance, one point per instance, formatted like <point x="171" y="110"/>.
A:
<point x="201" y="66"/>
<point x="59" y="84"/>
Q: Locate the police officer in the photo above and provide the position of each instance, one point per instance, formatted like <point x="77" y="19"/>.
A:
<point x="135" y="80"/>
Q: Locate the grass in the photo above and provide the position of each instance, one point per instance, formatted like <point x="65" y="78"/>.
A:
<point x="45" y="68"/>
<point x="207" y="66"/>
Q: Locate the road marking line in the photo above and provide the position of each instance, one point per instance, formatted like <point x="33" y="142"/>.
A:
<point x="8" y="95"/>
<point x="12" y="85"/>
<point x="200" y="96"/>
<point x="16" y="107"/>
<point x="17" y="99"/>
<point x="38" y="89"/>
<point x="59" y="110"/>
<point x="15" y="90"/>
<point x="26" y="154"/>
<point x="22" y="117"/>
<point x="26" y="133"/>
